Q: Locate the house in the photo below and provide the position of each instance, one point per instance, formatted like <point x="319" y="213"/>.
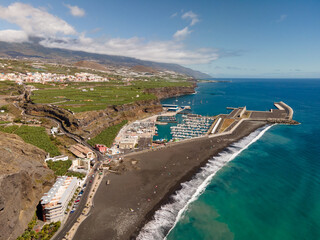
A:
<point x="101" y="148"/>
<point x="128" y="143"/>
<point x="54" y="130"/>
<point x="80" y="165"/>
<point x="81" y="151"/>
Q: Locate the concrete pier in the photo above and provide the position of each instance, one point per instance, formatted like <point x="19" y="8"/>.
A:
<point x="282" y="114"/>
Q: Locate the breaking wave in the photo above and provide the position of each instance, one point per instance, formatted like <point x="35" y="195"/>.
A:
<point x="166" y="218"/>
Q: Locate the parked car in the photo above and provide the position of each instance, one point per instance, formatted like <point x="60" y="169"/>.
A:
<point x="76" y="200"/>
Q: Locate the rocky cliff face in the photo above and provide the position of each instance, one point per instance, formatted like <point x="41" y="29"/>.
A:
<point x="67" y="118"/>
<point x="167" y="92"/>
<point x="94" y="122"/>
<point x="89" y="124"/>
<point x="23" y="180"/>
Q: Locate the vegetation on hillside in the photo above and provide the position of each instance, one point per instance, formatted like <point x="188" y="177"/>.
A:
<point x="90" y="98"/>
<point x="60" y="168"/>
<point x="47" y="231"/>
<point x="36" y="136"/>
<point x="107" y="136"/>
<point x="80" y="97"/>
<point x="10" y="88"/>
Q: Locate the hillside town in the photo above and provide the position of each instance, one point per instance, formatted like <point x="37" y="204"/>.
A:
<point x="37" y="77"/>
<point x="42" y="75"/>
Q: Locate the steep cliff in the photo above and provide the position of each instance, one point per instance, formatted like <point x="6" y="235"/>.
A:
<point x="167" y="92"/>
<point x="94" y="122"/>
<point x="65" y="116"/>
<point x="89" y="124"/>
<point x="23" y="180"/>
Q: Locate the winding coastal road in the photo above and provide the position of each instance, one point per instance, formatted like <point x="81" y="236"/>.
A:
<point x="75" y="215"/>
<point x="66" y="227"/>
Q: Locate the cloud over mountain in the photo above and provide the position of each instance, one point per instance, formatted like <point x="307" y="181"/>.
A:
<point x="57" y="33"/>
<point x="35" y="21"/>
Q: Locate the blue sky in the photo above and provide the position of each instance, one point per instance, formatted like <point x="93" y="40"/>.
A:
<point x="225" y="38"/>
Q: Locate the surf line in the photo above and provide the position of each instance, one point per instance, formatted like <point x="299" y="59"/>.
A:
<point x="167" y="217"/>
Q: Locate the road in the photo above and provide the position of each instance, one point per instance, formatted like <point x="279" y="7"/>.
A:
<point x="75" y="215"/>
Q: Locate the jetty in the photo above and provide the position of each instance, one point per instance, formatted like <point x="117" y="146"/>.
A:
<point x="227" y="123"/>
<point x="193" y="126"/>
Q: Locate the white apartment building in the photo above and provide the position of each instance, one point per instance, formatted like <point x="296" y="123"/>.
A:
<point x="55" y="202"/>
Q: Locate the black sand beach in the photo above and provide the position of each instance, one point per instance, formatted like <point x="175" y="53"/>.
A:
<point x="123" y="207"/>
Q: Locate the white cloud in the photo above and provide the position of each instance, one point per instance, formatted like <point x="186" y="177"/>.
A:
<point x="159" y="51"/>
<point x="191" y="15"/>
<point x="76" y="11"/>
<point x="282" y="18"/>
<point x="174" y="15"/>
<point x="13" y="36"/>
<point x="35" y="21"/>
<point x="57" y="33"/>
<point x="182" y="34"/>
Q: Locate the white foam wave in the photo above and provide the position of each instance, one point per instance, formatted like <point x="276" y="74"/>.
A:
<point x="166" y="218"/>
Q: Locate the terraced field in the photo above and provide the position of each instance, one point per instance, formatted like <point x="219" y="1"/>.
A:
<point x="80" y="97"/>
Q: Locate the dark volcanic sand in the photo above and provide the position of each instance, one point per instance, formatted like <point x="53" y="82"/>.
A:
<point x="112" y="218"/>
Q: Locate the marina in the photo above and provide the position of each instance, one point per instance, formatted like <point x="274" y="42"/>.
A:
<point x="192" y="126"/>
<point x="166" y="119"/>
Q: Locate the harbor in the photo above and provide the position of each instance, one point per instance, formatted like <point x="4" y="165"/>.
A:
<point x="155" y="173"/>
<point x="171" y="126"/>
<point x="192" y="126"/>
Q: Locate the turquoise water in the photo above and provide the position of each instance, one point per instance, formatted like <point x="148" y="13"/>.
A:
<point x="164" y="131"/>
<point x="271" y="190"/>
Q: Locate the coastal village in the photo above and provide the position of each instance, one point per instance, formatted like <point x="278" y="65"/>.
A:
<point x="155" y="120"/>
<point x="83" y="165"/>
<point x="137" y="136"/>
<point x="70" y="198"/>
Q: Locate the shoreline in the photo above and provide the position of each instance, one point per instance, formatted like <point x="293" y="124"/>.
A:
<point x="177" y="187"/>
<point x="193" y="188"/>
<point x="132" y="214"/>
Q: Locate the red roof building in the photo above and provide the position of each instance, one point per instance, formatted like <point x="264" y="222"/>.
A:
<point x="101" y="148"/>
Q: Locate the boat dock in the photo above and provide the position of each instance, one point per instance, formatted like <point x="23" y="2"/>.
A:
<point x="166" y="119"/>
<point x="191" y="126"/>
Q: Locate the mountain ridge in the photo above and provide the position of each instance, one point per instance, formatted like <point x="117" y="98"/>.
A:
<point x="34" y="50"/>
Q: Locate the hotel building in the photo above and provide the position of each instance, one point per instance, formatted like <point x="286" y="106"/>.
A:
<point x="55" y="202"/>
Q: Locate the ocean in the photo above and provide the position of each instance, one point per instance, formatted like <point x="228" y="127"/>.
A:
<point x="264" y="187"/>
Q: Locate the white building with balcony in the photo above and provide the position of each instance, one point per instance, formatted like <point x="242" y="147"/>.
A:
<point x="55" y="202"/>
